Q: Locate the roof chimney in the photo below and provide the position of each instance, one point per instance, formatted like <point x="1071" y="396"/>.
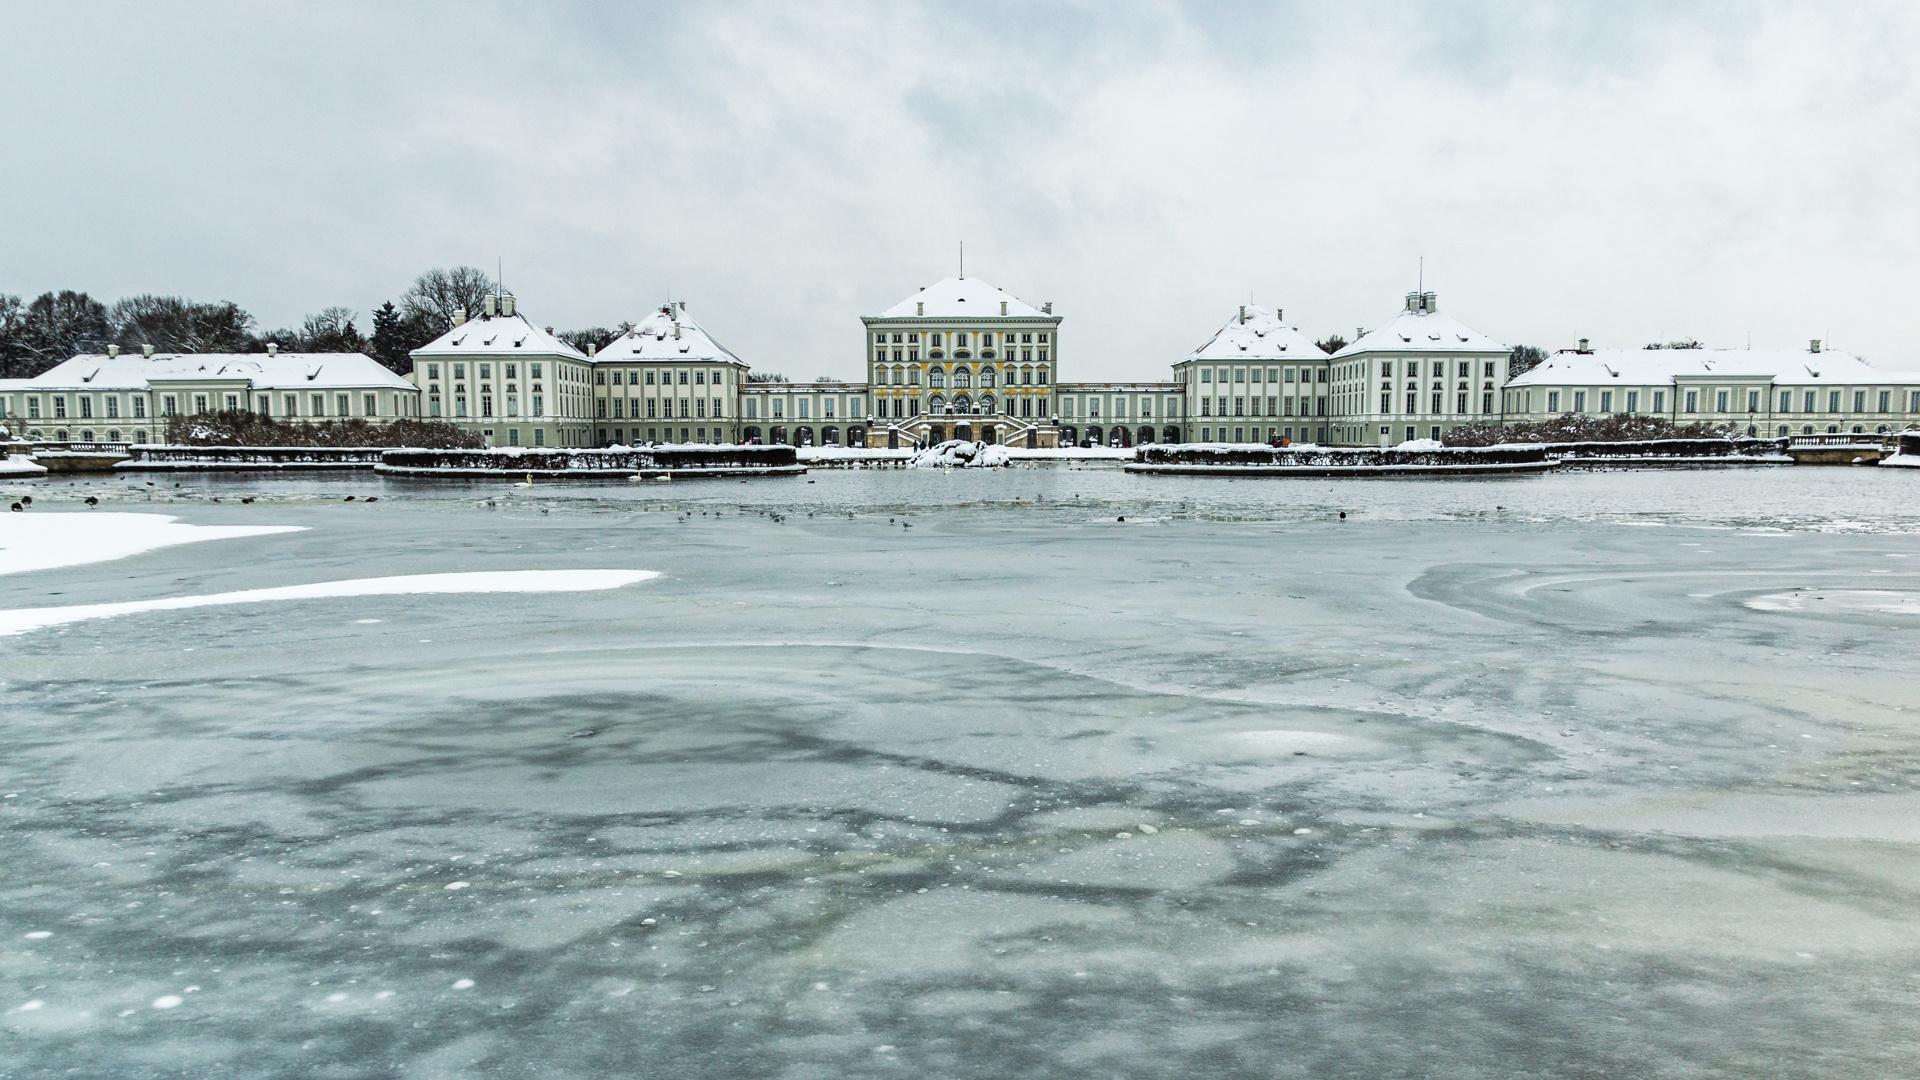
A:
<point x="1359" y="332"/>
<point x="592" y="348"/>
<point x="1280" y="314"/>
<point x="1583" y="347"/>
<point x="1243" y="313"/>
<point x="459" y="316"/>
<point x="272" y="349"/>
<point x="1814" y="345"/>
<point x="920" y="306"/>
<point x="506" y="303"/>
<point x="491" y="306"/>
<point x="113" y="350"/>
<point x="146" y="350"/>
<point x="1003" y="307"/>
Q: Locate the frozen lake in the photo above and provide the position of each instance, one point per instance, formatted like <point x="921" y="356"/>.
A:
<point x="915" y="773"/>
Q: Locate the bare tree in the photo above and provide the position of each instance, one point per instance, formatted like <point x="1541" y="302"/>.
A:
<point x="175" y="324"/>
<point x="59" y="326"/>
<point x="436" y="294"/>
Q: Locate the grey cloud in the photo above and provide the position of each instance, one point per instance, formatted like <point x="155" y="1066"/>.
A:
<point x="1609" y="171"/>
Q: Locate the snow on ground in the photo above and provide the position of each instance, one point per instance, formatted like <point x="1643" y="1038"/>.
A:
<point x="19" y="466"/>
<point x="1421" y="444"/>
<point x="22" y="620"/>
<point x="45" y="541"/>
<point x="955" y="454"/>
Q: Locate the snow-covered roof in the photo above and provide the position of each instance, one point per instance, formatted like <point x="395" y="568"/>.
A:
<point x="130" y="371"/>
<point x="1421" y="328"/>
<point x="667" y="334"/>
<point x="1649" y="366"/>
<point x="491" y="335"/>
<point x="1257" y="335"/>
<point x="962" y="298"/>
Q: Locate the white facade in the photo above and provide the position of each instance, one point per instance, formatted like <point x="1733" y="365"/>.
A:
<point x="1759" y="391"/>
<point x="115" y="397"/>
<point x="1417" y="377"/>
<point x="667" y="380"/>
<point x="506" y="380"/>
<point x="1256" y="380"/>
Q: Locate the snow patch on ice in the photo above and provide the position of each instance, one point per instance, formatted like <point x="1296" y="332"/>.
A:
<point x="1841" y="601"/>
<point x="23" y="620"/>
<point x="48" y="541"/>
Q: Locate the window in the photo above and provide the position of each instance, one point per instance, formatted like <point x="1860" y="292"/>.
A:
<point x="1693" y="401"/>
<point x="199" y="405"/>
<point x="753" y="409"/>
<point x="599" y="378"/>
<point x="539" y="405"/>
<point x="370" y="405"/>
<point x="1812" y="399"/>
<point x="683" y="378"/>
<point x="779" y="408"/>
<point x="1786" y="401"/>
<point x="539" y="437"/>
<point x="86" y="409"/>
<point x="1553" y="401"/>
<point x="534" y="372"/>
<point x="486" y="371"/>
<point x="1040" y="376"/>
<point x="1886" y="397"/>
<point x="1239" y="375"/>
<point x="1206" y="375"/>
<point x="1833" y="401"/>
<point x="1859" y="401"/>
<point x="700" y="378"/>
<point x="433" y="371"/>
<point x="139" y="407"/>
<point x="1489" y="371"/>
<point x="700" y="407"/>
<point x="649" y="376"/>
<point x="342" y="401"/>
<point x="1466" y="369"/>
<point x="1386" y="401"/>
<point x="1606" y="401"/>
<point x="510" y="370"/>
<point x="1753" y="401"/>
<point x="1486" y="401"/>
<point x="60" y="406"/>
<point x="650" y="407"/>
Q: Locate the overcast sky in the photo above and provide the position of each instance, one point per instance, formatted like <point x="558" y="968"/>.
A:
<point x="1617" y="171"/>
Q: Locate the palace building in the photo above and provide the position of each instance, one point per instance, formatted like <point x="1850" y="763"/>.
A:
<point x="1763" y="391"/>
<point x="126" y="397"/>
<point x="964" y="359"/>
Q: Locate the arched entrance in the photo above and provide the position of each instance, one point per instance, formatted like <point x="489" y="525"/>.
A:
<point x="779" y="437"/>
<point x="1093" y="437"/>
<point x="1170" y="435"/>
<point x="1145" y="435"/>
<point x="751" y="435"/>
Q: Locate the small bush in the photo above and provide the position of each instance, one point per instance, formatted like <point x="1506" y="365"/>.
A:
<point x="251" y="429"/>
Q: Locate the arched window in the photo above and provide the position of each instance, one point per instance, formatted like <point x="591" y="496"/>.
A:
<point x="986" y="403"/>
<point x="961" y="377"/>
<point x="936" y="377"/>
<point x="986" y="377"/>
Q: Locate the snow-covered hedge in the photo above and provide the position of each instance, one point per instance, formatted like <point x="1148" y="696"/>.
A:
<point x="954" y="454"/>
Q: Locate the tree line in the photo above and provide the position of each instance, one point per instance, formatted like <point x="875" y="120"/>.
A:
<point x="58" y="325"/>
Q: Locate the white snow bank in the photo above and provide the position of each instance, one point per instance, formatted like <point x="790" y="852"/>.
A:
<point x="1068" y="453"/>
<point x="1421" y="444"/>
<point x="22" y="620"/>
<point x="17" y="466"/>
<point x="954" y="454"/>
<point x="38" y="540"/>
<point x="851" y="453"/>
<point x="1902" y="461"/>
<point x="1841" y="602"/>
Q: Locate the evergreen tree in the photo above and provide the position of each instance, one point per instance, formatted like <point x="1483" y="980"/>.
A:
<point x="389" y="342"/>
<point x="1332" y="345"/>
<point x="1524" y="358"/>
